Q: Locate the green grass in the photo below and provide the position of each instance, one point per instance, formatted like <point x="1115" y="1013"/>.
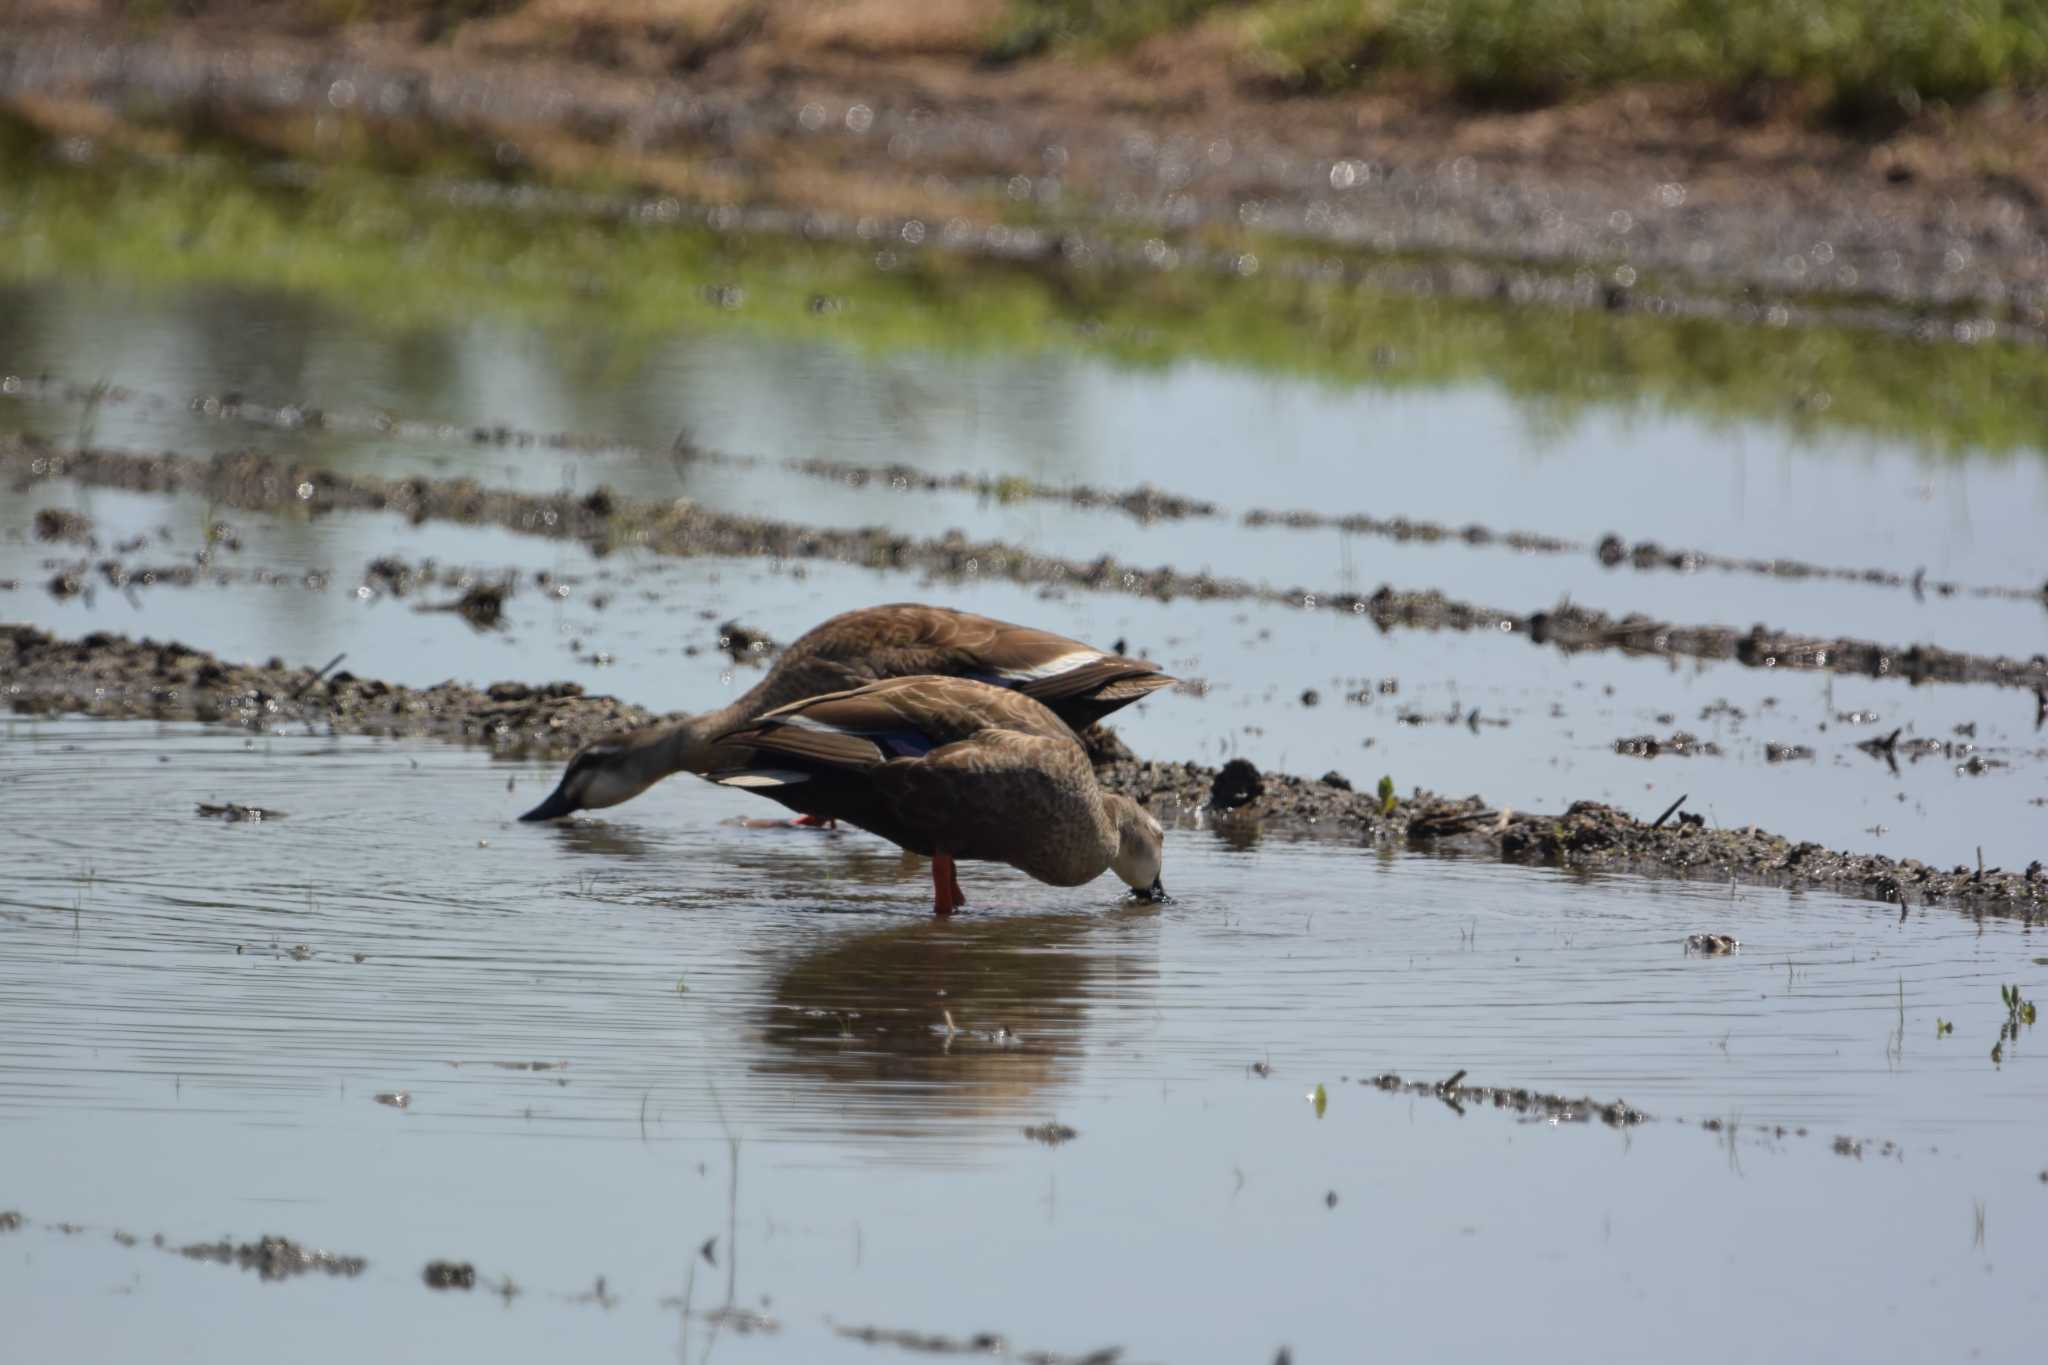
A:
<point x="1864" y="55"/>
<point x="381" y="248"/>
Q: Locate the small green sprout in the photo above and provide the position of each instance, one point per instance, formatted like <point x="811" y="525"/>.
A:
<point x="1387" y="801"/>
<point x="1942" y="1028"/>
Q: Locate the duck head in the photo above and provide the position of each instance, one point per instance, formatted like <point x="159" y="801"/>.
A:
<point x="603" y="773"/>
<point x="1141" y="847"/>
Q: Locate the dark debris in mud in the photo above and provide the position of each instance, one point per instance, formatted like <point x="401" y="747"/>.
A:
<point x="1408" y="530"/>
<point x="274" y="1258"/>
<point x="1051" y="1134"/>
<point x="1532" y="1103"/>
<point x="1613" y="552"/>
<point x="1144" y="503"/>
<point x="745" y="644"/>
<point x="449" y="1275"/>
<point x="482" y="605"/>
<point x="114" y="676"/>
<point x="979" y="1344"/>
<point x="1712" y="945"/>
<point x="64" y="526"/>
<point x="260" y="482"/>
<point x="235" y="813"/>
<point x="1680" y="744"/>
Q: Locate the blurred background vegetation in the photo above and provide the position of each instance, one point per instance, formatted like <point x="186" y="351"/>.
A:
<point x="1863" y="56"/>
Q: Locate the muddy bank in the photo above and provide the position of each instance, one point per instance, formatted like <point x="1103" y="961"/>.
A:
<point x="114" y="676"/>
<point x="605" y="521"/>
<point x="1652" y="197"/>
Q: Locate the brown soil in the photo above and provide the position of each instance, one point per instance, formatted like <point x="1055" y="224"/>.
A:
<point x="872" y="107"/>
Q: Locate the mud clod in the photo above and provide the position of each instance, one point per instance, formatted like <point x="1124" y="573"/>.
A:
<point x="449" y="1275"/>
<point x="1712" y="945"/>
<point x="744" y="644"/>
<point x="1681" y="743"/>
<point x="64" y="526"/>
<point x="234" y="813"/>
<point x="1051" y="1134"/>
<point x="1237" y="784"/>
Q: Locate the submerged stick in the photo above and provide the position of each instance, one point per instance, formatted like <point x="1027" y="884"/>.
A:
<point x="1669" y="811"/>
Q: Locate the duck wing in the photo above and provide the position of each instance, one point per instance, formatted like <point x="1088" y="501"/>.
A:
<point x="901" y="639"/>
<point x="1006" y="796"/>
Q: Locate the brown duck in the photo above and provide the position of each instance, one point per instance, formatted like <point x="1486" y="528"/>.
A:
<point x="1079" y="682"/>
<point x="950" y="768"/>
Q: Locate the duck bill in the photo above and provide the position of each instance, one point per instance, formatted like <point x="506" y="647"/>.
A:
<point x="555" y="807"/>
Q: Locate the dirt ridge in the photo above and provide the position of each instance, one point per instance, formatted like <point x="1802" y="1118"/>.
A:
<point x="255" y="481"/>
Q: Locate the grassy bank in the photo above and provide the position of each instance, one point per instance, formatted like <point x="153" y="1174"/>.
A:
<point x="382" y="247"/>
<point x="1862" y="56"/>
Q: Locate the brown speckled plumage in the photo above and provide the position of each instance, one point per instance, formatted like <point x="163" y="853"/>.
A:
<point x="1079" y="682"/>
<point x="947" y="767"/>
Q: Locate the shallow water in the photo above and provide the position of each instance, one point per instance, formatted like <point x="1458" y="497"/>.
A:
<point x="752" y="1032"/>
<point x="647" y="629"/>
<point x="1455" y="456"/>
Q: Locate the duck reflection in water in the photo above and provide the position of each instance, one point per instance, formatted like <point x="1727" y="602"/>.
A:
<point x="959" y="1019"/>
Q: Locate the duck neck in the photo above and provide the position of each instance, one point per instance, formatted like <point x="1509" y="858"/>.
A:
<point x="683" y="747"/>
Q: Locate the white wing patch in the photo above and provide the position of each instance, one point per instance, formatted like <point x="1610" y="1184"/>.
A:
<point x="810" y="723"/>
<point x="763" y="777"/>
<point x="1052" y="668"/>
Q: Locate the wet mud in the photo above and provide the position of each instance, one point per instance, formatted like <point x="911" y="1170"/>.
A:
<point x="114" y="676"/>
<point x="604" y="521"/>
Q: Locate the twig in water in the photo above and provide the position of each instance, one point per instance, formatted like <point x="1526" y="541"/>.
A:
<point x="1669" y="811"/>
<point x="325" y="669"/>
<point x="732" y="1218"/>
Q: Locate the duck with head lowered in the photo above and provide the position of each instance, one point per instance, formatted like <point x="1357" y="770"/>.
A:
<point x="953" y="769"/>
<point x="1079" y="683"/>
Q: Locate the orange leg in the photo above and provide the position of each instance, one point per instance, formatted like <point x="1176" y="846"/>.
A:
<point x="813" y="822"/>
<point x="946" y="894"/>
